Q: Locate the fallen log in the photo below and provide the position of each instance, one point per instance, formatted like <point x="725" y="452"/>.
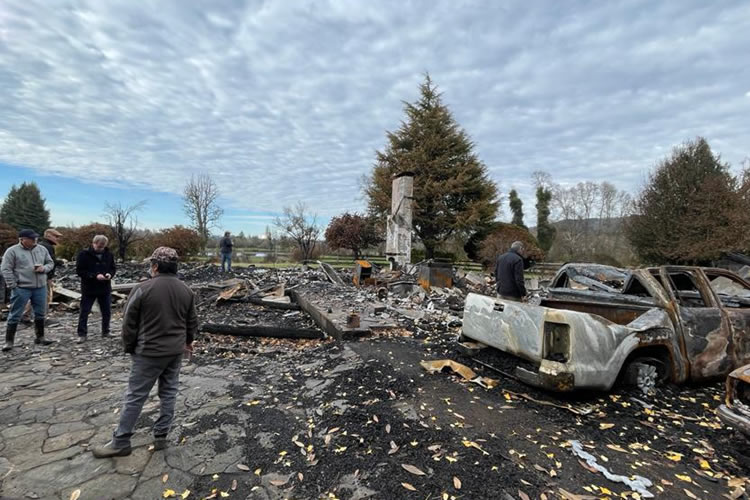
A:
<point x="261" y="331"/>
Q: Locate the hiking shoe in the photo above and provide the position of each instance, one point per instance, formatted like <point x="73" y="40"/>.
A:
<point x="160" y="442"/>
<point x="8" y="346"/>
<point x="106" y="335"/>
<point x="81" y="339"/>
<point x="108" y="450"/>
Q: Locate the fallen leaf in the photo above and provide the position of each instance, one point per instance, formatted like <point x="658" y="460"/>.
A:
<point x="523" y="495"/>
<point x="704" y="464"/>
<point x="243" y="467"/>
<point x="279" y="482"/>
<point x="257" y="472"/>
<point x="215" y="477"/>
<point x="682" y="477"/>
<point x="388" y="428"/>
<point x="603" y="426"/>
<point x="617" y="448"/>
<point x="75" y="494"/>
<point x="689" y="493"/>
<point x="164" y="478"/>
<point x="413" y="470"/>
<point x="673" y="456"/>
<point x="408" y="487"/>
<point x="168" y="493"/>
<point x="185" y="494"/>
<point x="234" y="484"/>
<point x="456" y="483"/>
<point x="224" y="494"/>
<point x="300" y="476"/>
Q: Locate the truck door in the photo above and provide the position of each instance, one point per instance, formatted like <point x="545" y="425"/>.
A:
<point x="705" y="330"/>
<point x="733" y="294"/>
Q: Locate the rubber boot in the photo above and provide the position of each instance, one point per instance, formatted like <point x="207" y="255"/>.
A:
<point x="39" y="326"/>
<point x="10" y="336"/>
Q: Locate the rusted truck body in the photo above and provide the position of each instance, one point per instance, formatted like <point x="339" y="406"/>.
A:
<point x="735" y="412"/>
<point x="691" y="323"/>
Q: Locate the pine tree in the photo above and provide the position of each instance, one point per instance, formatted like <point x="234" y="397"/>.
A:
<point x="24" y="208"/>
<point x="691" y="210"/>
<point x="452" y="192"/>
<point x="545" y="232"/>
<point x="516" y="207"/>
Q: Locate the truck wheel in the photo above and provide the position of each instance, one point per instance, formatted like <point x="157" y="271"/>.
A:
<point x="645" y="373"/>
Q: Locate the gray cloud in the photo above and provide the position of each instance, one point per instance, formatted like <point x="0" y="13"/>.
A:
<point x="287" y="101"/>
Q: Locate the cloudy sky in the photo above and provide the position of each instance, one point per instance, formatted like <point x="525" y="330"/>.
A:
<point x="282" y="101"/>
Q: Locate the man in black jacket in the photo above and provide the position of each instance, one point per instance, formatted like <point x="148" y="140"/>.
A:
<point x="509" y="273"/>
<point x="225" y="249"/>
<point x="96" y="268"/>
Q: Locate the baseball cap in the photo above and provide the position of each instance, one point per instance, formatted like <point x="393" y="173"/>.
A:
<point x="163" y="254"/>
<point x="27" y="233"/>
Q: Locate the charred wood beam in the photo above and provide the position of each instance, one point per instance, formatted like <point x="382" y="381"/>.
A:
<point x="262" y="331"/>
<point x="273" y="305"/>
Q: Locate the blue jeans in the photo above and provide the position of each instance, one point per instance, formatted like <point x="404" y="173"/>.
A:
<point x="20" y="296"/>
<point x="226" y="258"/>
<point x="144" y="373"/>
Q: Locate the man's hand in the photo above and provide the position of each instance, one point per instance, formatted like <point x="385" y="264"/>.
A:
<point x="188" y="351"/>
<point x="39" y="268"/>
<point x="100" y="277"/>
<point x="108" y="276"/>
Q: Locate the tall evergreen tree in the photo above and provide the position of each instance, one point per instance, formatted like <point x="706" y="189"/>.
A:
<point x="452" y="192"/>
<point x="691" y="210"/>
<point x="24" y="208"/>
<point x="545" y="232"/>
<point x="516" y="207"/>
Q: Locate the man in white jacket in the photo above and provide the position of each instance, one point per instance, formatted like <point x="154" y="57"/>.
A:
<point x="24" y="269"/>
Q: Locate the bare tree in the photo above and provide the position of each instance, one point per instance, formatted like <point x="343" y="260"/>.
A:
<point x="301" y="228"/>
<point x="123" y="222"/>
<point x="200" y="203"/>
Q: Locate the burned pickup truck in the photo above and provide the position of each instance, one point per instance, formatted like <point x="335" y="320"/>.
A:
<point x="597" y="323"/>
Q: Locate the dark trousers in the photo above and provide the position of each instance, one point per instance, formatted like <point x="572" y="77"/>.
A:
<point x="144" y="373"/>
<point x="87" y="302"/>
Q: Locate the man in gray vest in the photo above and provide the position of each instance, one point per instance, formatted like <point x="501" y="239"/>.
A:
<point x="159" y="324"/>
<point x="24" y="268"/>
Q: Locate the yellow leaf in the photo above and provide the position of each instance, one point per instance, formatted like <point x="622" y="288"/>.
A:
<point x="224" y="494"/>
<point x="673" y="456"/>
<point x="408" y="487"/>
<point x="704" y="464"/>
<point x="456" y="483"/>
<point x="451" y="459"/>
<point x="168" y="493"/>
<point x="507" y="396"/>
<point x="606" y="426"/>
<point x="683" y="478"/>
<point x="257" y="472"/>
<point x="185" y="494"/>
<point x="215" y="477"/>
<point x="75" y="494"/>
<point x="605" y="491"/>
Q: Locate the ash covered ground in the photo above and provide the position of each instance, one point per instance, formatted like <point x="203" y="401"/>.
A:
<point x="271" y="418"/>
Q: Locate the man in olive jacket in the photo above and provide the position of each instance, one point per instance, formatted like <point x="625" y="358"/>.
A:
<point x="159" y="324"/>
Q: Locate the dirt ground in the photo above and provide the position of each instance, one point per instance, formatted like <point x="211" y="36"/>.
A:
<point x="270" y="418"/>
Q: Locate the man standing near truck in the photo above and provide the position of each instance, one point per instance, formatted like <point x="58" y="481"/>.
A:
<point x="509" y="273"/>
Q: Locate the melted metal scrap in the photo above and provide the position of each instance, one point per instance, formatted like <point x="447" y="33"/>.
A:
<point x="638" y="483"/>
